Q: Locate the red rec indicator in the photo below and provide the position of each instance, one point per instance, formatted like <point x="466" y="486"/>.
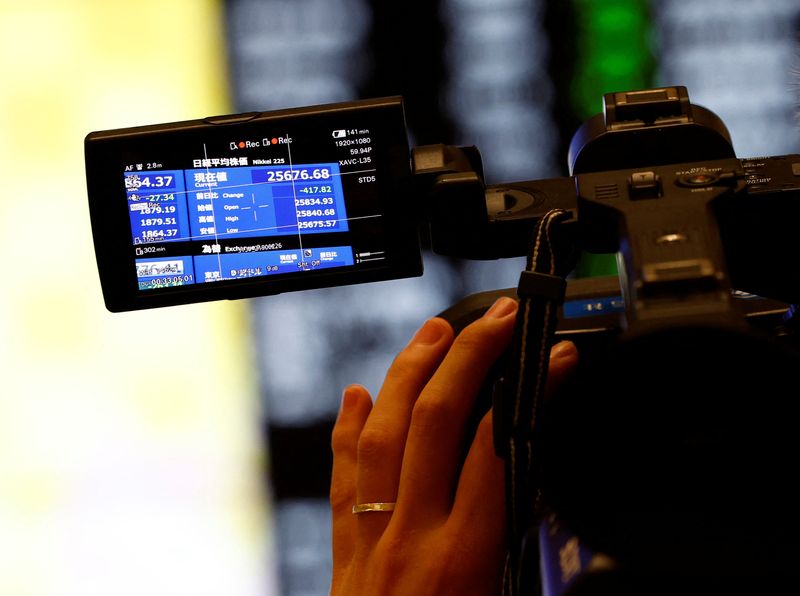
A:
<point x="262" y="143"/>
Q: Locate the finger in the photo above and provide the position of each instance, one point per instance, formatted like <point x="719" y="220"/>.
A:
<point x="481" y="495"/>
<point x="438" y="420"/>
<point x="563" y="361"/>
<point x="356" y="406"/>
<point x="479" y="511"/>
<point x="383" y="439"/>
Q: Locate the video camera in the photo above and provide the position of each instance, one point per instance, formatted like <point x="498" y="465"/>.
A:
<point x="670" y="454"/>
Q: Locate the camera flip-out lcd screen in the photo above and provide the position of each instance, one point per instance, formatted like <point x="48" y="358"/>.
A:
<point x="252" y="204"/>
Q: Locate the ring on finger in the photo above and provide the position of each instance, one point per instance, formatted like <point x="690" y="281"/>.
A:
<point x="373" y="507"/>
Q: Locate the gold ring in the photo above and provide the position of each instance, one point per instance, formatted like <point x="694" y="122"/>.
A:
<point x="365" y="507"/>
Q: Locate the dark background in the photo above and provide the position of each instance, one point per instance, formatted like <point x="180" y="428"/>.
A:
<point x="515" y="78"/>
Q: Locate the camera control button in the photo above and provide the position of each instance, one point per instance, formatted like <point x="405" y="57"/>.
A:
<point x="671" y="238"/>
<point x="645" y="185"/>
<point x="699" y="179"/>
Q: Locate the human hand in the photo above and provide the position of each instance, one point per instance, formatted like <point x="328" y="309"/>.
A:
<point x="447" y="532"/>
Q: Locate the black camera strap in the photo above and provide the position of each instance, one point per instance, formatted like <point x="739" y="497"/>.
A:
<point x="518" y="395"/>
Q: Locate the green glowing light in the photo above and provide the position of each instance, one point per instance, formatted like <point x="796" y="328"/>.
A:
<point x="614" y="53"/>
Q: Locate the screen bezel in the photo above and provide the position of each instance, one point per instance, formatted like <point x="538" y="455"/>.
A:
<point x="107" y="152"/>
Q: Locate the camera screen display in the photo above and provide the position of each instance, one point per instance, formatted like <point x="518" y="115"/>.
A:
<point x="252" y="204"/>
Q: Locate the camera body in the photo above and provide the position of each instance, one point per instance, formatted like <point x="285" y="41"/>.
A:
<point x="664" y="463"/>
<point x="263" y="203"/>
<point x="680" y="417"/>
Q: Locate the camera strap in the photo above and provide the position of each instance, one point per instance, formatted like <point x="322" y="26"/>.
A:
<point x="518" y="395"/>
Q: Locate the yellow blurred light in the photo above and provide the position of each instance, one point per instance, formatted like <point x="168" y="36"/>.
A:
<point x="129" y="443"/>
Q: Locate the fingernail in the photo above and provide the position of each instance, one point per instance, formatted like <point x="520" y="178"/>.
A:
<point x="348" y="398"/>
<point x="564" y="349"/>
<point x="501" y="308"/>
<point x="431" y="332"/>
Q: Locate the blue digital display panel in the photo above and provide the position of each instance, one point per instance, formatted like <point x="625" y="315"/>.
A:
<point x="211" y="268"/>
<point x="157" y="206"/>
<point x="265" y="201"/>
<point x="574" y="309"/>
<point x="214" y="205"/>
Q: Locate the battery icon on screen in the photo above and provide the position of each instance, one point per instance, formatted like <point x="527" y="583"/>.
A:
<point x="338" y="134"/>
